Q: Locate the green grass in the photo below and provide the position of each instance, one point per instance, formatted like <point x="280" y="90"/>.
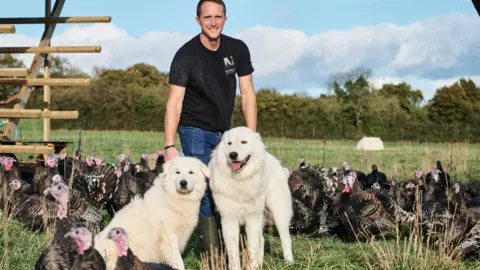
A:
<point x="400" y="158"/>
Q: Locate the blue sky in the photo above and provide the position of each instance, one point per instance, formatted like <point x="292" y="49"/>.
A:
<point x="397" y="53"/>
<point x="310" y="16"/>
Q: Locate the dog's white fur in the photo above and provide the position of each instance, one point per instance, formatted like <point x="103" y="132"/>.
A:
<point x="242" y="196"/>
<point x="160" y="224"/>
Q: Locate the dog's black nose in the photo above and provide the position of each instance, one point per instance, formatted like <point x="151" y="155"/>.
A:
<point x="183" y="183"/>
<point x="233" y="155"/>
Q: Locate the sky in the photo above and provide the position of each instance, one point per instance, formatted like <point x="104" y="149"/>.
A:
<point x="294" y="47"/>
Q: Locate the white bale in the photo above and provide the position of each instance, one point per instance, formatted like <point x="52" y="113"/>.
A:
<point x="370" y="144"/>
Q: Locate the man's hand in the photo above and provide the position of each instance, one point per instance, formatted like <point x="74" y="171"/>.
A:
<point x="171" y="153"/>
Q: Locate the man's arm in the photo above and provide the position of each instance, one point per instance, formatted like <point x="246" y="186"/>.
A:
<point x="178" y="79"/>
<point x="245" y="81"/>
<point x="249" y="101"/>
<point x="173" y="110"/>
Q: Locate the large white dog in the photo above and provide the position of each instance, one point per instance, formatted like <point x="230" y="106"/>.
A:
<point x="244" y="179"/>
<point x="160" y="224"/>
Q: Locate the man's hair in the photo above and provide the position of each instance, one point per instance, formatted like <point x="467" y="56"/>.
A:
<point x="220" y="2"/>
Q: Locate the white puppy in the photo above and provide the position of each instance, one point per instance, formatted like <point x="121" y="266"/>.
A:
<point x="244" y="179"/>
<point x="160" y="224"/>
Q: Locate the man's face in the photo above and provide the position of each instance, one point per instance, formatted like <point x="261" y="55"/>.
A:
<point x="211" y="20"/>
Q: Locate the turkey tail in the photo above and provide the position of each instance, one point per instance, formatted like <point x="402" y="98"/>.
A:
<point x="159" y="164"/>
<point x="103" y="184"/>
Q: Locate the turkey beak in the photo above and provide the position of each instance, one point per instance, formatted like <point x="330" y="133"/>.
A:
<point x="110" y="235"/>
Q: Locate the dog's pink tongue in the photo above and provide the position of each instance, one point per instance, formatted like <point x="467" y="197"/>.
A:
<point x="236" y="165"/>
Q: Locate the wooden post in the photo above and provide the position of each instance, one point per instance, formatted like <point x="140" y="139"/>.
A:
<point x="46" y="100"/>
<point x="9" y="131"/>
<point x="46" y="76"/>
<point x="46" y="105"/>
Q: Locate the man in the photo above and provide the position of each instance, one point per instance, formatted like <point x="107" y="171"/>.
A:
<point x="202" y="97"/>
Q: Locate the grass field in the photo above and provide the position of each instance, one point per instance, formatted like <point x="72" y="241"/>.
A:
<point x="400" y="158"/>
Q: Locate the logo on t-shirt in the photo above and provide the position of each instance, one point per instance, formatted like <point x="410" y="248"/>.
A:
<point x="229" y="65"/>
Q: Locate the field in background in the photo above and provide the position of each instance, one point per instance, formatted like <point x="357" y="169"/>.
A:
<point x="461" y="160"/>
<point x="400" y="158"/>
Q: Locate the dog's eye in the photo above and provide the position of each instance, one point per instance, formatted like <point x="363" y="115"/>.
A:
<point x="178" y="172"/>
<point x="243" y="142"/>
<point x="229" y="143"/>
<point x="190" y="172"/>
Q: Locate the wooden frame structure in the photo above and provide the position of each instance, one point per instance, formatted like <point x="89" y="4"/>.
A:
<point x="29" y="82"/>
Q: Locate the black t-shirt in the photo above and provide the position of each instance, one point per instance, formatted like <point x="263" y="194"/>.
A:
<point x="209" y="78"/>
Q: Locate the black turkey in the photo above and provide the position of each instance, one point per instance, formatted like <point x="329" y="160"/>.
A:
<point x="142" y="166"/>
<point x="43" y="175"/>
<point x="444" y="177"/>
<point x="87" y="256"/>
<point x="360" y="177"/>
<point x="28" y="209"/>
<point x="159" y="163"/>
<point x="435" y="200"/>
<point x="376" y="176"/>
<point x="312" y="193"/>
<point x="9" y="170"/>
<point x="365" y="213"/>
<point x="74" y="252"/>
<point x="62" y="250"/>
<point x="79" y="209"/>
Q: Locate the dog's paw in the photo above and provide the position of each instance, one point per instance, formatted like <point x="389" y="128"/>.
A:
<point x="289" y="259"/>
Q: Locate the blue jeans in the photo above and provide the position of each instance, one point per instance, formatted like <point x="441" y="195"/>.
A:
<point x="199" y="143"/>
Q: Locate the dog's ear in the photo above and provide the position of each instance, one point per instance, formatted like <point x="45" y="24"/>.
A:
<point x="205" y="170"/>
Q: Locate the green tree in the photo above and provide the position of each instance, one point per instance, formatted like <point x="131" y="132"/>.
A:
<point x="408" y="98"/>
<point x="8" y="61"/>
<point x="450" y="104"/>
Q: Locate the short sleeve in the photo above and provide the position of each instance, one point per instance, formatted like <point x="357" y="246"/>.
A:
<point x="244" y="66"/>
<point x="179" y="69"/>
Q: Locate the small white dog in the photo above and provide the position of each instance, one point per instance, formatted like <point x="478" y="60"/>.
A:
<point x="160" y="224"/>
<point x="244" y="180"/>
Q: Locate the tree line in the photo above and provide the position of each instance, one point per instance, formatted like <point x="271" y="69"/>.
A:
<point x="134" y="98"/>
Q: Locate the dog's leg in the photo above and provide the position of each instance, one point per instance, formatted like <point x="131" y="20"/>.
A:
<point x="255" y="240"/>
<point x="171" y="251"/>
<point x="231" y="235"/>
<point x="281" y="217"/>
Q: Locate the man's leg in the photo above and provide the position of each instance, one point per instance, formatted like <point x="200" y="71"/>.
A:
<point x="200" y="144"/>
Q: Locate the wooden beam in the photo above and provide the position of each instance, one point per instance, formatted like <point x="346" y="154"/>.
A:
<point x="60" y="115"/>
<point x="25" y="91"/>
<point x="48" y="11"/>
<point x="51" y="82"/>
<point x="52" y="49"/>
<point x="19" y="149"/>
<point x="37" y="114"/>
<point x="13" y="72"/>
<point x="476" y="4"/>
<point x="7" y="29"/>
<point x="51" y="20"/>
<point x="48" y="8"/>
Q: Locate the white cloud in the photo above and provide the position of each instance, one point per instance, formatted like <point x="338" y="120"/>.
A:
<point x="427" y="54"/>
